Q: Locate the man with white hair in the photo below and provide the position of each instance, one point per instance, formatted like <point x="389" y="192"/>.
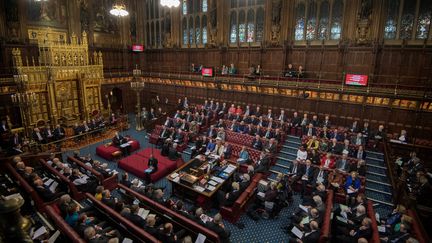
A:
<point x="218" y="227"/>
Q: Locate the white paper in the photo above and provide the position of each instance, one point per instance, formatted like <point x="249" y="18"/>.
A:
<point x="53" y="186"/>
<point x="212" y="182"/>
<point x="201" y="238"/>
<point x="174" y="175"/>
<point x="127" y="240"/>
<point x="381" y="229"/>
<point x="349" y="191"/>
<point x="205" y="218"/>
<point x="54" y="237"/>
<point x="343" y="207"/>
<point x="261" y="194"/>
<point x="305" y="220"/>
<point x="217" y="179"/>
<point x="200" y="189"/>
<point x="177" y="179"/>
<point x="304" y="208"/>
<point x="48" y="182"/>
<point x="210" y="187"/>
<point x="42" y="230"/>
<point x="143" y="213"/>
<point x="298" y="233"/>
<point x="344" y="220"/>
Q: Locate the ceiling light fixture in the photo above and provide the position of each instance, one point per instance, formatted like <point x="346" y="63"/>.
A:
<point x="170" y="3"/>
<point x="119" y="9"/>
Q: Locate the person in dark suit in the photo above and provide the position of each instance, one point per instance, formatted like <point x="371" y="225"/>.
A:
<point x="4" y="128"/>
<point x="15" y="140"/>
<point x="152" y="168"/>
<point x="118" y="140"/>
<point x="125" y="180"/>
<point x="44" y="191"/>
<point x="360" y="153"/>
<point x="150" y="226"/>
<point x="320" y="177"/>
<point x="212" y="133"/>
<point x="59" y="132"/>
<point x="398" y="236"/>
<point x="362" y="231"/>
<point x="343" y="163"/>
<point x="262" y="165"/>
<point x="307" y="176"/>
<point x="335" y="147"/>
<point x="310" y="130"/>
<point x="108" y="200"/>
<point x="38" y="136"/>
<point x="256" y="143"/>
<point x="228" y="199"/>
<point x="172" y="152"/>
<point x="218" y="227"/>
<point x="135" y="218"/>
<point x="311" y="236"/>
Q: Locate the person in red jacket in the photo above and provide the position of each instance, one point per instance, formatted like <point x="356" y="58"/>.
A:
<point x="239" y="110"/>
<point x="328" y="161"/>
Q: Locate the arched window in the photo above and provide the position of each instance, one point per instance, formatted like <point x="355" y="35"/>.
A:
<point x="233" y="31"/>
<point x="260" y="25"/>
<point x="197" y="30"/>
<point x="154" y="24"/>
<point x="337" y="15"/>
<point x="204" y="29"/>
<point x="184" y="7"/>
<point x="196" y="6"/>
<point x="246" y="21"/>
<point x="424" y="20"/>
<point x="311" y="22"/>
<point x="185" y="31"/>
<point x="191" y="31"/>
<point x="250" y="26"/>
<point x="300" y="22"/>
<point x="324" y="20"/>
<point x="242" y="26"/>
<point x="204" y="6"/>
<point x="390" y="28"/>
<point x="407" y="20"/>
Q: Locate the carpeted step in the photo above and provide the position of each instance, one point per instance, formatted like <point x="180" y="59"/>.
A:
<point x="378" y="196"/>
<point x="376" y="177"/>
<point x="370" y="161"/>
<point x="377" y="170"/>
<point x="379" y="187"/>
<point x="289" y="157"/>
<point x="279" y="169"/>
<point x="284" y="162"/>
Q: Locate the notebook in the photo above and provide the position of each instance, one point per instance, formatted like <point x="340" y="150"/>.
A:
<point x="298" y="233"/>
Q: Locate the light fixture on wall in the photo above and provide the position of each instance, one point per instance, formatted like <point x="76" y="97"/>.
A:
<point x="119" y="9"/>
<point x="170" y="3"/>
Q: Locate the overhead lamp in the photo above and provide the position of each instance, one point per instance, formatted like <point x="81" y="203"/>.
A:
<point x="119" y="9"/>
<point x="170" y="3"/>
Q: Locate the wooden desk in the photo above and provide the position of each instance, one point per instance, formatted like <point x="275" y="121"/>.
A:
<point x="192" y="191"/>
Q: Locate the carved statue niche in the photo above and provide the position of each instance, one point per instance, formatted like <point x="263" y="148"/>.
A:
<point x="276" y="10"/>
<point x="213" y="23"/>
<point x="364" y="22"/>
<point x="84" y="15"/>
<point x="167" y="29"/>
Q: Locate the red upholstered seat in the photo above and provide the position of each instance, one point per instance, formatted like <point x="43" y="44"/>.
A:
<point x="138" y="163"/>
<point x="106" y="152"/>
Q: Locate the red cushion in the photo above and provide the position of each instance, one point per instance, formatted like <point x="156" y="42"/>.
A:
<point x="138" y="163"/>
<point x="107" y="151"/>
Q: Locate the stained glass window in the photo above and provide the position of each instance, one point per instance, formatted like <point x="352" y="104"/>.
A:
<point x="204" y="29"/>
<point x="185" y="32"/>
<point x="184" y="5"/>
<point x="191" y="31"/>
<point x="233" y="32"/>
<point x="336" y="25"/>
<point x="250" y="26"/>
<point x="154" y="24"/>
<point x="300" y="18"/>
<point x="197" y="30"/>
<point x="424" y="19"/>
<point x="324" y="20"/>
<point x="204" y="6"/>
<point x="196" y="6"/>
<point x="407" y="20"/>
<point x="311" y="22"/>
<point x="260" y="25"/>
<point x="390" y="28"/>
<point x="242" y="26"/>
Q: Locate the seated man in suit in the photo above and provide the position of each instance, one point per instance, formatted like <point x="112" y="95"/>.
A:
<point x="227" y="152"/>
<point x="363" y="230"/>
<point x="152" y="168"/>
<point x="295" y="171"/>
<point x="108" y="199"/>
<point x="324" y="133"/>
<point x="256" y="143"/>
<point x="335" y="147"/>
<point x="310" y="236"/>
<point x="44" y="191"/>
<point x="218" y="227"/>
<point x="358" y="140"/>
<point x="360" y="153"/>
<point x="219" y="148"/>
<point x="59" y="132"/>
<point x="268" y="133"/>
<point x="211" y="133"/>
<point x="172" y="152"/>
<point x="263" y="163"/>
<point x="271" y="146"/>
<point x="343" y="164"/>
<point x="307" y="176"/>
<point x="38" y="136"/>
<point x="134" y="217"/>
<point x="320" y="177"/>
<point x="228" y="199"/>
<point x="310" y="130"/>
<point x="178" y="136"/>
<point x="118" y="140"/>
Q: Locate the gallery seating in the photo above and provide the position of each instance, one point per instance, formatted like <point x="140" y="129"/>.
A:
<point x="108" y="183"/>
<point x="326" y="224"/>
<point x="417" y="229"/>
<point x="61" y="224"/>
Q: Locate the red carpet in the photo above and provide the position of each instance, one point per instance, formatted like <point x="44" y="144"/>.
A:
<point x="137" y="164"/>
<point x="106" y="152"/>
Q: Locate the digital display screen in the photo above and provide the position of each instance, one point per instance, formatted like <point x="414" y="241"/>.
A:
<point x="207" y="72"/>
<point x="356" y="79"/>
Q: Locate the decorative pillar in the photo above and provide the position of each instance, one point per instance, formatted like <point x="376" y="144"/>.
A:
<point x="13" y="225"/>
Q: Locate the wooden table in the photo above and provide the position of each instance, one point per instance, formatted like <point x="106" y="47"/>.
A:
<point x="191" y="192"/>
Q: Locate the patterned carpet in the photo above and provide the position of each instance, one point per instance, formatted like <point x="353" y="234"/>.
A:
<point x="255" y="231"/>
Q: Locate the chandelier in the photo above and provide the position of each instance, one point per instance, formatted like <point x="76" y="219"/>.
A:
<point x="170" y="3"/>
<point x="119" y="9"/>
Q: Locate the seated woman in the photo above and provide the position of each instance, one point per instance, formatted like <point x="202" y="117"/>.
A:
<point x="243" y="156"/>
<point x="352" y="186"/>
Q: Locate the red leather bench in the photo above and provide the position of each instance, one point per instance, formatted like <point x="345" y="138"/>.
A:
<point x="38" y="201"/>
<point x="236" y="148"/>
<point x="371" y="214"/>
<point x="63" y="226"/>
<point x="138" y="163"/>
<point x="181" y="219"/>
<point x="108" y="183"/>
<point x="326" y="224"/>
<point x="123" y="222"/>
<point x="107" y="151"/>
<point x="417" y="228"/>
<point x="233" y="213"/>
<point x="75" y="193"/>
